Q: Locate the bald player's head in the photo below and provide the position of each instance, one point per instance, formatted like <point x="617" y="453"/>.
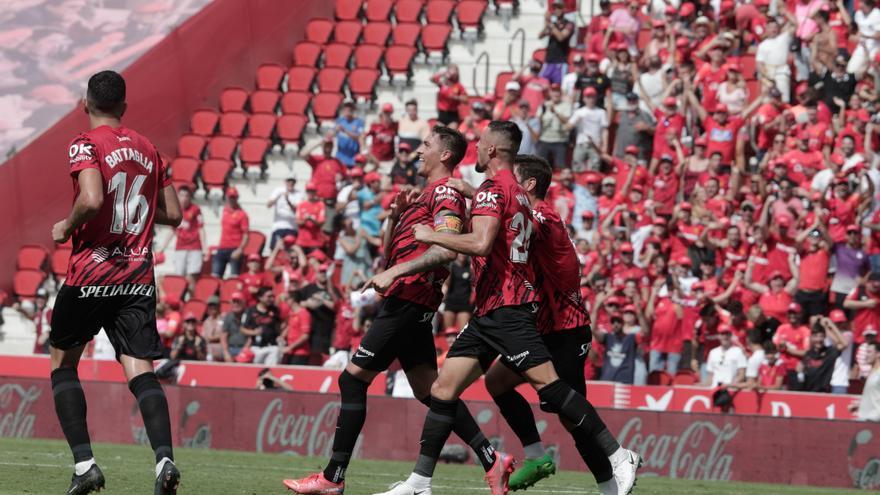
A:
<point x="499" y="141"/>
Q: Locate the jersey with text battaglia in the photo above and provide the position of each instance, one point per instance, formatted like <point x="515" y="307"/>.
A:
<point x="423" y="288"/>
<point x="557" y="273"/>
<point x="505" y="276"/>
<point x="114" y="247"/>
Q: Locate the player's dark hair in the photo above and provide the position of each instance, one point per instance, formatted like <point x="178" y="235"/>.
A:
<point x="508" y="133"/>
<point x="106" y="92"/>
<point x="535" y="167"/>
<point x="452" y="141"/>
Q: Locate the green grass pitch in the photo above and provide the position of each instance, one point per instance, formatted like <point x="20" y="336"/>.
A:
<point x="45" y="466"/>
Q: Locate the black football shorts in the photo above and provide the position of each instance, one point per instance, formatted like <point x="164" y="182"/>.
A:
<point x="402" y="330"/>
<point x="508" y="332"/>
<point x="126" y="312"/>
<point x="569" y="349"/>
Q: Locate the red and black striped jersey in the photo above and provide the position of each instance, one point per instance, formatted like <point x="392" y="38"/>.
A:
<point x="504" y="278"/>
<point x="115" y="246"/>
<point x="557" y="273"/>
<point x="423" y="288"/>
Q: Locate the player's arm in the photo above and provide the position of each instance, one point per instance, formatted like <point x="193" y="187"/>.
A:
<point x="477" y="242"/>
<point x="447" y="222"/>
<point x="168" y="207"/>
<point x="88" y="203"/>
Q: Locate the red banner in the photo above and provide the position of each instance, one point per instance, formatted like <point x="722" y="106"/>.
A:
<point x="601" y="394"/>
<point x="687" y="446"/>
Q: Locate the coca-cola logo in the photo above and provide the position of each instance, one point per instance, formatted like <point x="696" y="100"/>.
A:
<point x="303" y="434"/>
<point x="15" y="402"/>
<point x="866" y="477"/>
<point x="200" y="437"/>
<point x="697" y="453"/>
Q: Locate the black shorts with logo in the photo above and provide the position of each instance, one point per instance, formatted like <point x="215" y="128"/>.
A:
<point x="127" y="313"/>
<point x="569" y="349"/>
<point x="402" y="330"/>
<point x="508" y="331"/>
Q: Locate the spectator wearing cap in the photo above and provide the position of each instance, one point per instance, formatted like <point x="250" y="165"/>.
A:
<point x="349" y="129"/>
<point x="553" y="139"/>
<point x="382" y="134"/>
<point x="561" y="196"/>
<point x="692" y="166"/>
<point x="633" y="127"/>
<point x="653" y="84"/>
<point x="295" y="336"/>
<point x="472" y="128"/>
<point x="665" y="341"/>
<point x="310" y="216"/>
<point x="733" y="91"/>
<point x="261" y="325"/>
<point x="770" y="120"/>
<point x="845" y="205"/>
<point x="725" y="132"/>
<point x="39" y="313"/>
<point x="592" y="77"/>
<point x="327" y="170"/>
<point x="283" y="200"/>
<point x="234" y="228"/>
<point x="776" y="295"/>
<point x="190" y="235"/>
<point x="867" y="19"/>
<point x="370" y="201"/>
<point x="591" y="125"/>
<point x="570" y="80"/>
<point x="621" y="74"/>
<point x="254" y="279"/>
<point x="529" y="126"/>
<point x="346" y="200"/>
<point x="412" y="129"/>
<point x="863" y="361"/>
<point x="771" y="56"/>
<point x="232" y="339"/>
<point x="621" y="352"/>
<point x="792" y="338"/>
<point x="558" y="30"/>
<point x="844" y="365"/>
<point x="212" y="329"/>
<point x="838" y="85"/>
<point x="320" y="300"/>
<point x="626" y="23"/>
<point x="534" y="86"/>
<point x="863" y="304"/>
<point x="851" y="264"/>
<point x="664" y="186"/>
<point x="503" y="108"/>
<point x="404" y="171"/>
<point x="189" y="346"/>
<point x="726" y="364"/>
<point x="353" y="250"/>
<point x="815" y="370"/>
<point x="450" y="95"/>
<point x="685" y="232"/>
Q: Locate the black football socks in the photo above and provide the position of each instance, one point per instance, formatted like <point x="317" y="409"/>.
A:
<point x="352" y="414"/>
<point x="70" y="406"/>
<point x="579" y="412"/>
<point x="154" y="410"/>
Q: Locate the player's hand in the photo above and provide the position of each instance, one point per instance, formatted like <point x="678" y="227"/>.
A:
<point x="461" y="186"/>
<point x="381" y="282"/>
<point x="422" y="233"/>
<point x="401" y="202"/>
<point x="61" y="231"/>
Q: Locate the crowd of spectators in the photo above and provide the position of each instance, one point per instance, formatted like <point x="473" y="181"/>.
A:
<point x="715" y="162"/>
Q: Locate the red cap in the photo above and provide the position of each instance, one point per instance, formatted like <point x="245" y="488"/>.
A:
<point x="660" y="222"/>
<point x="593" y="178"/>
<point x="631" y="150"/>
<point x="701" y="141"/>
<point x="231" y="192"/>
<point x="724" y="328"/>
<point x="670" y="101"/>
<point x="742" y="266"/>
<point x="762" y="3"/>
<point x="721" y="108"/>
<point x="658" y="24"/>
<point x="670" y="10"/>
<point x="698" y="285"/>
<point x="630" y="308"/>
<point x="404" y="146"/>
<point x="356" y="172"/>
<point x="684" y="261"/>
<point x="783" y="221"/>
<point x="311" y="186"/>
<point x="325" y="266"/>
<point x="852" y="228"/>
<point x="733" y="67"/>
<point x="801" y="88"/>
<point x="236" y="296"/>
<point x="372" y="177"/>
<point x="189" y="315"/>
<point x="555" y="87"/>
<point x="593" y="57"/>
<point x="685" y="206"/>
<point x="589" y="91"/>
<point x="620" y="46"/>
<point x="289" y="240"/>
<point x="837" y="316"/>
<point x="686" y="9"/>
<point x="615" y="300"/>
<point x="794" y="308"/>
<point x="626" y="247"/>
<point x="360" y="158"/>
<point x="775" y="274"/>
<point x="682" y="42"/>
<point x="727" y="5"/>
<point x="253" y="257"/>
<point x="388" y="108"/>
<point x="328" y="138"/>
<point x="588" y="214"/>
<point x="318" y="255"/>
<point x="637" y="188"/>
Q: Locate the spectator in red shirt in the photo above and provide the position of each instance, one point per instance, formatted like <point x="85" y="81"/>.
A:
<point x="534" y="87"/>
<point x="450" y="95"/>
<point x="311" y="216"/>
<point x="327" y="170"/>
<point x="772" y="371"/>
<point x="296" y="334"/>
<point x="792" y="338"/>
<point x="190" y="236"/>
<point x="776" y="296"/>
<point x="815" y="258"/>
<point x="234" y="228"/>
<point x="665" y="341"/>
<point x="864" y="302"/>
<point x="383" y="134"/>
<point x="724" y="132"/>
<point x="254" y="278"/>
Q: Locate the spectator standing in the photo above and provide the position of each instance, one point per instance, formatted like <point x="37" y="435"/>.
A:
<point x="851" y="264"/>
<point x="405" y="170"/>
<point x="346" y="200"/>
<point x="772" y="56"/>
<point x="503" y="110"/>
<point x="261" y="324"/>
<point x="450" y="95"/>
<point x="756" y="355"/>
<point x="349" y="129"/>
<point x="868" y="406"/>
<point x="370" y="201"/>
<point x="296" y="334"/>
<point x="591" y="123"/>
<point x="412" y="129"/>
<point x="633" y="127"/>
<point x="592" y="77"/>
<point x="189" y="346"/>
<point x="553" y="139"/>
<point x="838" y="85"/>
<point x="327" y="171"/>
<point x="864" y="303"/>
<point x="863" y="361"/>
<point x="255" y="278"/>
<point x="190" y="236"/>
<point x="812" y="293"/>
<point x="310" y="216"/>
<point x="212" y="329"/>
<point x="353" y="251"/>
<point x="529" y="126"/>
<point x="233" y="340"/>
<point x="792" y="338"/>
<point x="726" y="364"/>
<point x="837" y="322"/>
<point x="534" y="86"/>
<point x="625" y="22"/>
<point x="234" y="228"/>
<point x="383" y="134"/>
<point x="318" y="299"/>
<point x="665" y="339"/>
<point x="558" y="30"/>
<point x="815" y="370"/>
<point x="621" y="351"/>
<point x="284" y="200"/>
<point x="867" y="19"/>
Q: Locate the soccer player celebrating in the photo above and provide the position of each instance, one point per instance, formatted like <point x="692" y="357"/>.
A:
<point x="503" y="322"/>
<point x="412" y="285"/>
<point x="122" y="189"/>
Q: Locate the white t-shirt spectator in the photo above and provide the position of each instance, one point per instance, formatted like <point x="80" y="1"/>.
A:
<point x="869" y="406"/>
<point x="724" y="364"/>
<point x="774" y="52"/>
<point x="869" y="26"/>
<point x="352" y="208"/>
<point x="754" y="363"/>
<point x="840" y="375"/>
<point x="285" y="216"/>
<point x="568" y="82"/>
<point x="589" y="123"/>
<point x="653" y="86"/>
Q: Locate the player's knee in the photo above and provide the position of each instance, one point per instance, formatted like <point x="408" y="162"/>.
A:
<point x="495" y="387"/>
<point x="349" y="383"/>
<point x="442" y="391"/>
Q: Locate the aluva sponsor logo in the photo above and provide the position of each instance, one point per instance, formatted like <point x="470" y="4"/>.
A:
<point x="16" y="420"/>
<point x="299" y="434"/>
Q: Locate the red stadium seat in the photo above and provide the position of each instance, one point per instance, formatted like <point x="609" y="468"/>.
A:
<point x="204" y="122"/>
<point x="326" y="105"/>
<point x="331" y="80"/>
<point x="348" y="10"/>
<point x="348" y="32"/>
<point x="264" y="100"/>
<point x="685" y="377"/>
<point x="232" y="124"/>
<point x="319" y="30"/>
<point x="184" y="170"/>
<point x="408" y="10"/>
<point x="659" y="377"/>
<point x="295" y="103"/>
<point x="368" y="56"/>
<point x="215" y="172"/>
<point x="60" y="259"/>
<point x="500" y="81"/>
<point x="206" y="286"/>
<point x="470" y="14"/>
<point x="290" y="128"/>
<point x="398" y="59"/>
<point x="229" y="287"/>
<point x="439" y="11"/>
<point x="306" y="54"/>
<point x="195" y="307"/>
<point x="233" y="100"/>
<point x="377" y="33"/>
<point x="378" y="10"/>
<point x="748" y="65"/>
<point x="362" y="83"/>
<point x="269" y="76"/>
<point x="191" y="146"/>
<point x="262" y="125"/>
<point x="26" y="282"/>
<point x="252" y="152"/>
<point x="406" y="34"/>
<point x="337" y="55"/>
<point x="31" y="257"/>
<point x="255" y="243"/>
<point x="222" y="147"/>
<point x="539" y="55"/>
<point x="300" y="78"/>
<point x="435" y="38"/>
<point x="174" y="289"/>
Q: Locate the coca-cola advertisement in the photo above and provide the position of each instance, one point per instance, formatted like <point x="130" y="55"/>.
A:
<point x="697" y="446"/>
